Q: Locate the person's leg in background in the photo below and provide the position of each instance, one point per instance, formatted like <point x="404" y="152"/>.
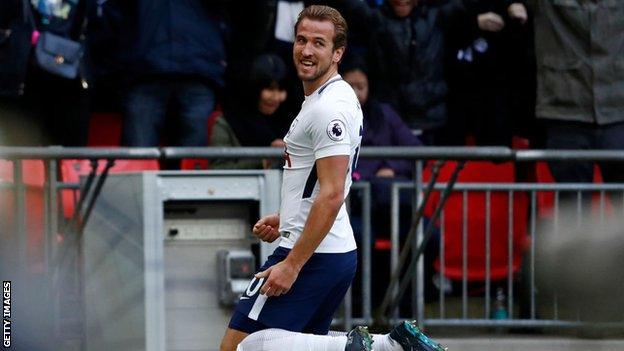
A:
<point x="145" y="106"/>
<point x="196" y="101"/>
<point x="611" y="137"/>
<point x="64" y="108"/>
<point x="572" y="136"/>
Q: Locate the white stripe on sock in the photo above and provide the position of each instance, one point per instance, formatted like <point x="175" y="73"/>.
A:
<point x="257" y="307"/>
<point x="383" y="342"/>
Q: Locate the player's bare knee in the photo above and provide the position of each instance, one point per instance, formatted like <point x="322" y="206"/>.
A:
<point x="227" y="345"/>
<point x="231" y="339"/>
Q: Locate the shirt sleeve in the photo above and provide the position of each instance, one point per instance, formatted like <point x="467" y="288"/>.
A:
<point x="329" y="133"/>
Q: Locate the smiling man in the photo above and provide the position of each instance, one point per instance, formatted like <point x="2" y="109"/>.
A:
<point x="290" y="303"/>
<point x="303" y="282"/>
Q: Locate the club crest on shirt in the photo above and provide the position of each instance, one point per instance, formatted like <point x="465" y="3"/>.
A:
<point x="336" y="130"/>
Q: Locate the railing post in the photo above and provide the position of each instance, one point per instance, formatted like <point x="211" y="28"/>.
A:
<point x="394" y="239"/>
<point x="20" y="218"/>
<point x="366" y="254"/>
<point x="50" y="212"/>
<point x="418" y="282"/>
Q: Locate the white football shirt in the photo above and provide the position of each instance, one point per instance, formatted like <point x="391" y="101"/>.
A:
<point x="329" y="124"/>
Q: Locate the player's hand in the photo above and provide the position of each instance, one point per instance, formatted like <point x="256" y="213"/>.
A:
<point x="385" y="173"/>
<point x="490" y="22"/>
<point x="279" y="279"/>
<point x="279" y="142"/>
<point x="518" y="12"/>
<point x="267" y="228"/>
<point x="267" y="163"/>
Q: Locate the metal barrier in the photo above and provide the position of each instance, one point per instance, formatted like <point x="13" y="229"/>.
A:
<point x="420" y="307"/>
<point x="512" y="317"/>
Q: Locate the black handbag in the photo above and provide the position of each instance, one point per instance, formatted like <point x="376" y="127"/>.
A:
<point x="59" y="55"/>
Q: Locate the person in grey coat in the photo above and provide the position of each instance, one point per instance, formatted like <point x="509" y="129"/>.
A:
<point x="580" y="75"/>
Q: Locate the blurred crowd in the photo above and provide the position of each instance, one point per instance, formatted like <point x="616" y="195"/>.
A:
<point x="444" y="70"/>
<point x="199" y="72"/>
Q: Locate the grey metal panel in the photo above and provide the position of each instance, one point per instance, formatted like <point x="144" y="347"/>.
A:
<point x="271" y="199"/>
<point x="206" y="185"/>
<point x="145" y="292"/>
<point x="261" y="185"/>
<point x="114" y="269"/>
<point x="154" y="264"/>
<point x="195" y="320"/>
<point x="219" y="187"/>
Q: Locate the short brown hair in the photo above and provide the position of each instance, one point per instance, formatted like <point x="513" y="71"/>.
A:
<point x="326" y="13"/>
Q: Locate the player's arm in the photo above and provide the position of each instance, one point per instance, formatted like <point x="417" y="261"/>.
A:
<point x="331" y="172"/>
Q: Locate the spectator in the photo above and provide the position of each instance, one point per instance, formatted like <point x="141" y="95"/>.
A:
<point x="382" y="126"/>
<point x="265" y="26"/>
<point x="39" y="107"/>
<point x="110" y="24"/>
<point x="178" y="64"/>
<point x="407" y="55"/>
<point x="256" y="117"/>
<point x="489" y="70"/>
<point x="580" y="75"/>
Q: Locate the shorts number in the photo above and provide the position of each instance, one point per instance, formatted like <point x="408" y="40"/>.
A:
<point x="251" y="289"/>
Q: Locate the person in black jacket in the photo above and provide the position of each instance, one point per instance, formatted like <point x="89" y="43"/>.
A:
<point x="177" y="64"/>
<point x="406" y="53"/>
<point x="38" y="107"/>
<point x="491" y="76"/>
<point x="255" y="116"/>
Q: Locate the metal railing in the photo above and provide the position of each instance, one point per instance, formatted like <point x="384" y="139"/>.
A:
<point x="421" y="308"/>
<point x="485" y="300"/>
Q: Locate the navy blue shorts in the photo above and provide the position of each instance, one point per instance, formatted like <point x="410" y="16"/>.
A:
<point x="309" y="305"/>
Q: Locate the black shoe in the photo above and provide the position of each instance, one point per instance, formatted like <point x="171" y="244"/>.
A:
<point x="358" y="339"/>
<point x="411" y="338"/>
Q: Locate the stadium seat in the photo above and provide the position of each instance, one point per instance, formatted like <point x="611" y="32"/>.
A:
<point x="546" y="199"/>
<point x="382" y="244"/>
<point x="105" y="130"/>
<point x="519" y="143"/>
<point x="33" y="176"/>
<point x="480" y="172"/>
<point x="194" y="163"/>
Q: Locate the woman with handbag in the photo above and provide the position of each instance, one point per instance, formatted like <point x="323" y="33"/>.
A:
<point x="43" y="97"/>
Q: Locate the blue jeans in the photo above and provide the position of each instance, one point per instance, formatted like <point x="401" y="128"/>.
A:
<point x="147" y="104"/>
<point x="583" y="136"/>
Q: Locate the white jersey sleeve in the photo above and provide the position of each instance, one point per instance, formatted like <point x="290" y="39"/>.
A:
<point x="329" y="134"/>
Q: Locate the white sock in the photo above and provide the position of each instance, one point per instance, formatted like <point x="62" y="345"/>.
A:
<point x="381" y="342"/>
<point x="279" y="340"/>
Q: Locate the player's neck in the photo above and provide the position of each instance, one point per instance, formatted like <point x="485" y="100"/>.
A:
<point x="310" y="86"/>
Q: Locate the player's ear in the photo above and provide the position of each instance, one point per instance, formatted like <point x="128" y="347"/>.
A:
<point x="337" y="55"/>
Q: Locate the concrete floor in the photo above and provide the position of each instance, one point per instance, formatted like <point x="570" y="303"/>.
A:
<point x="530" y="343"/>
